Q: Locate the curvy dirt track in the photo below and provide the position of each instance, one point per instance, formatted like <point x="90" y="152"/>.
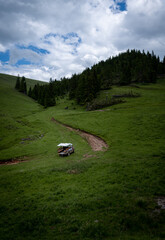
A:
<point x="96" y="143"/>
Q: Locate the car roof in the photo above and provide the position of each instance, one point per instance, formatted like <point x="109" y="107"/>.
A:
<point x="65" y="145"/>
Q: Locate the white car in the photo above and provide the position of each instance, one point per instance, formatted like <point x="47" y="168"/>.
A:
<point x="65" y="149"/>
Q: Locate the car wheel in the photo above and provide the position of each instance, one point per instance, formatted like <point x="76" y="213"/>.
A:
<point x="68" y="154"/>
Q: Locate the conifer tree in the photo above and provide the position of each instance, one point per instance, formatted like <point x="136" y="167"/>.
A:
<point x="35" y="92"/>
<point x="30" y="92"/>
<point x="164" y="65"/>
<point x="17" y="86"/>
<point x="23" y="87"/>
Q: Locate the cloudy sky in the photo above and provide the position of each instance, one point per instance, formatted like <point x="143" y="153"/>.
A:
<point x="43" y="39"/>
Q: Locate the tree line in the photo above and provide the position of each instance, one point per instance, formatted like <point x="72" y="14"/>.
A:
<point x="126" y="68"/>
<point x="44" y="94"/>
<point x="129" y="67"/>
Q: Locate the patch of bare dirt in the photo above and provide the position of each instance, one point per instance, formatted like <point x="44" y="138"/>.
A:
<point x="13" y="161"/>
<point x="160" y="206"/>
<point x="161" y="202"/>
<point x="88" y="155"/>
<point x="96" y="143"/>
<point x="73" y="171"/>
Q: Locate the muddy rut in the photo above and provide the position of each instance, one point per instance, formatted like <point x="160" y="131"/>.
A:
<point x="96" y="143"/>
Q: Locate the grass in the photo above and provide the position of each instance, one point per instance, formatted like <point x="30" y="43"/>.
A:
<point x="11" y="80"/>
<point x="89" y="195"/>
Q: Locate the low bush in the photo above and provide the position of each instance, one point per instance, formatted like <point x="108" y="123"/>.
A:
<point x="127" y="95"/>
<point x="103" y="103"/>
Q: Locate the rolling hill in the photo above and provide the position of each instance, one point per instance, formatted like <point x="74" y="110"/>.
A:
<point x="11" y="80"/>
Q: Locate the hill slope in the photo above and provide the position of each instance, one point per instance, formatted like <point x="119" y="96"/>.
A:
<point x="89" y="195"/>
<point x="11" y="80"/>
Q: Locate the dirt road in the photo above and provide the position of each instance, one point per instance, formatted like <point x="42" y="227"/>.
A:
<point x="96" y="143"/>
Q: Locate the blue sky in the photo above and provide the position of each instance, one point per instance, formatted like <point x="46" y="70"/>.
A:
<point x="5" y="56"/>
<point x="119" y="6"/>
<point x="53" y="39"/>
<point x="122" y="5"/>
<point x="33" y="48"/>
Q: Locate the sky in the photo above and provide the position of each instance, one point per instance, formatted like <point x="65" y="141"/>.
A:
<point x="43" y="39"/>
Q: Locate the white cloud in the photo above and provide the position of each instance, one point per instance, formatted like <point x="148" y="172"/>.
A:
<point x="87" y="31"/>
<point x="2" y="48"/>
<point x="18" y="54"/>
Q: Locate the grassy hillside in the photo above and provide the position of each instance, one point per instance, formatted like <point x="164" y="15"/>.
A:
<point x="88" y="195"/>
<point x="11" y="80"/>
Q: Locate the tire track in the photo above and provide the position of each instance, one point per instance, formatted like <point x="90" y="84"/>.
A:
<point x="96" y="143"/>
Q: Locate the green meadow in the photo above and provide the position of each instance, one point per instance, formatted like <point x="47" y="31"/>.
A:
<point x="111" y="194"/>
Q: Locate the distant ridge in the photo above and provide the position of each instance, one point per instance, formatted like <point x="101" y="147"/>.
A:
<point x="11" y="80"/>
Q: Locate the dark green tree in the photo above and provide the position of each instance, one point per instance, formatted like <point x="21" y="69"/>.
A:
<point x="30" y="92"/>
<point x="17" y="86"/>
<point x="23" y="87"/>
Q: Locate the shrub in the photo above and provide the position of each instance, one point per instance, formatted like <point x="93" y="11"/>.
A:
<point x="103" y="103"/>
